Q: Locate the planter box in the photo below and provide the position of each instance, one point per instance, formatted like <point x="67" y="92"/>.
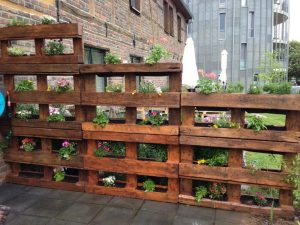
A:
<point x="243" y="101"/>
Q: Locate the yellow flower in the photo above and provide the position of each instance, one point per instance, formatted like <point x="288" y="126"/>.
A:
<point x="49" y="88"/>
<point x="134" y="92"/>
<point x="215" y="126"/>
<point x="201" y="161"/>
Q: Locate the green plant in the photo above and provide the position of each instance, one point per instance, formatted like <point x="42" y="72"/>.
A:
<point x="25" y="85"/>
<point x="109" y="181"/>
<point x="147" y="87"/>
<point x="149" y="185"/>
<point x="217" y="191"/>
<point x="222" y="121"/>
<point x="47" y="19"/>
<point x="67" y="150"/>
<point x="112" y="59"/>
<point x="102" y="119"/>
<point x="59" y="174"/>
<point x="114" y="88"/>
<point x="234" y="88"/>
<point x="255" y="89"/>
<point x="54" y="48"/>
<point x="211" y="157"/>
<point x="207" y="86"/>
<point x="260" y="199"/>
<point x="278" y="88"/>
<point x="110" y="148"/>
<point x="15" y="51"/>
<point x="294" y="178"/>
<point x="56" y="116"/>
<point x="63" y="85"/>
<point x="155" y="119"/>
<point x="23" y="114"/>
<point x="3" y="145"/>
<point x="255" y="122"/>
<point x="157" y="53"/>
<point x="28" y="144"/>
<point x="200" y="193"/>
<point x="16" y="22"/>
<point x="153" y="151"/>
<point x="26" y="111"/>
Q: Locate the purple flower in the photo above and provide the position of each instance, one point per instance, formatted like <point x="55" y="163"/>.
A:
<point x="65" y="144"/>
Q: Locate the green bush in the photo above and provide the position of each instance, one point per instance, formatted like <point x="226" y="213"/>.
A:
<point x="16" y="22"/>
<point x="25" y="85"/>
<point x="112" y="59"/>
<point x="157" y="53"/>
<point x="255" y="89"/>
<point x="200" y="193"/>
<point x="149" y="185"/>
<point x="48" y="20"/>
<point x="102" y="119"/>
<point x="234" y="88"/>
<point x="207" y="86"/>
<point x="110" y="148"/>
<point x="15" y="51"/>
<point x="153" y="151"/>
<point x="278" y="88"/>
<point x="255" y="122"/>
<point x="147" y="87"/>
<point x="114" y="88"/>
<point x="54" y="48"/>
<point x="211" y="156"/>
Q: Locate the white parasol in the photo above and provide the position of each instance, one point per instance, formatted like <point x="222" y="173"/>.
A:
<point x="223" y="75"/>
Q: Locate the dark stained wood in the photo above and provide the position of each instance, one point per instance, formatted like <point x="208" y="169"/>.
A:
<point x="69" y="125"/>
<point x="244" y="101"/>
<point x="44" y="69"/>
<point x="175" y="84"/>
<point x="43" y="59"/>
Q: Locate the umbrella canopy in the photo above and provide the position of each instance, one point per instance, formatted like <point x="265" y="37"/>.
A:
<point x="223" y="75"/>
<point x="190" y="72"/>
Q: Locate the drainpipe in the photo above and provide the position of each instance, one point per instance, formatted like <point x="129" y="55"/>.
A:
<point x="58" y="10"/>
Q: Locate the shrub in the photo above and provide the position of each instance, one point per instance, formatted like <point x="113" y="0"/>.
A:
<point x="48" y="20"/>
<point x="153" y="151"/>
<point x="54" y="48"/>
<point x="16" y="22"/>
<point x="149" y="185"/>
<point x="256" y="122"/>
<point x="59" y="174"/>
<point x="102" y="119"/>
<point x="25" y="85"/>
<point x="255" y="89"/>
<point x="234" y="88"/>
<point x="211" y="156"/>
<point x="114" y="88"/>
<point x="201" y="192"/>
<point x="207" y="86"/>
<point x="278" y="88"/>
<point x="112" y="59"/>
<point x="260" y="199"/>
<point x="110" y="148"/>
<point x="15" y="51"/>
<point x="67" y="150"/>
<point x="147" y="87"/>
<point x="157" y="53"/>
<point x="155" y="119"/>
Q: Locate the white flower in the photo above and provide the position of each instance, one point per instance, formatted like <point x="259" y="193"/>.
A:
<point x="158" y="90"/>
<point x="109" y="181"/>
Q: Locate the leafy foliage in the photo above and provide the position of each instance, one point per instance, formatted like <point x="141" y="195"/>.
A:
<point x="155" y="119"/>
<point x="3" y="145"/>
<point x="153" y="151"/>
<point x="16" y="22"/>
<point x="25" y="85"/>
<point x="67" y="150"/>
<point x="256" y="122"/>
<point x="294" y="178"/>
<point x="112" y="59"/>
<point x="217" y="191"/>
<point x="59" y="175"/>
<point x="147" y="87"/>
<point x="102" y="119"/>
<point x="54" y="48"/>
<point x="149" y="185"/>
<point x="110" y="148"/>
<point x="114" y="88"/>
<point x="15" y="51"/>
<point x="223" y="122"/>
<point x="63" y="85"/>
<point x="200" y="193"/>
<point x="234" y="88"/>
<point x="157" y="53"/>
<point x="56" y="118"/>
<point x="48" y="20"/>
<point x="278" y="88"/>
<point x="207" y="86"/>
<point x="260" y="199"/>
<point x="28" y="144"/>
<point x="211" y="156"/>
<point x="294" y="59"/>
<point x="255" y="89"/>
<point x="109" y="181"/>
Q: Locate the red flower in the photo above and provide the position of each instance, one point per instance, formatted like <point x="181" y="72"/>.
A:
<point x="154" y="113"/>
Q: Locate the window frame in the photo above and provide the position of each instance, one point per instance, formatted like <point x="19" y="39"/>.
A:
<point x="179" y="27"/>
<point x="171" y="21"/>
<point x="219" y="28"/>
<point x="222" y="5"/>
<point x="244" y="56"/>
<point x="133" y="6"/>
<point x="251" y="24"/>
<point x="166" y="17"/>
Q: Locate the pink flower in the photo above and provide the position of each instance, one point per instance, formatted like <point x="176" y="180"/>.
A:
<point x="63" y="82"/>
<point x="154" y="113"/>
<point x="212" y="76"/>
<point x="163" y="40"/>
<point x="66" y="144"/>
<point x="53" y="111"/>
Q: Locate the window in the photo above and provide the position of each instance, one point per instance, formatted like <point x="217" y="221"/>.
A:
<point x="251" y="24"/>
<point x="135" y="5"/>
<point x="166" y="17"/>
<point x="171" y="21"/>
<point x="96" y="56"/>
<point x="135" y="59"/>
<point x="222" y="26"/>
<point x="243" y="56"/>
<point x="244" y="3"/>
<point x="222" y="3"/>
<point x="179" y="28"/>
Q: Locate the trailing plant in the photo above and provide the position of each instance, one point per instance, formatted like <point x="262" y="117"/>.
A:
<point x="25" y="85"/>
<point x="157" y="53"/>
<point x="67" y="150"/>
<point x="294" y="178"/>
<point x="48" y="20"/>
<point x="59" y="174"/>
<point x="149" y="185"/>
<point x="155" y="119"/>
<point x="255" y="89"/>
<point x="256" y="122"/>
<point x="15" y="51"/>
<point x="109" y="181"/>
<point x="63" y="85"/>
<point x="54" y="48"/>
<point x="3" y="145"/>
<point x="207" y="86"/>
<point x="217" y="191"/>
<point x="28" y="144"/>
<point x="200" y="193"/>
<point x="260" y="199"/>
<point x="110" y="148"/>
<point x="114" y="88"/>
<point x="55" y="115"/>
<point x="102" y="119"/>
<point x="234" y="88"/>
<point x="112" y="59"/>
<point x="278" y="88"/>
<point x="16" y="22"/>
<point x="222" y="121"/>
<point x="153" y="151"/>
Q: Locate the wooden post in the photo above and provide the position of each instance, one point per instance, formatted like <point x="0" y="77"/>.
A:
<point x="39" y="44"/>
<point x="174" y="86"/>
<point x="90" y="86"/>
<point x="43" y="86"/>
<point x="4" y="46"/>
<point x="78" y="87"/>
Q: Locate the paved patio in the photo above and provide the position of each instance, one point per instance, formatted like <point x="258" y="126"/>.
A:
<point x="41" y="206"/>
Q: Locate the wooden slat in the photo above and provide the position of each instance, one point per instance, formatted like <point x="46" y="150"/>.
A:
<point x="267" y="135"/>
<point x="63" y="30"/>
<point x="69" y="125"/>
<point x="253" y="145"/>
<point x="140" y="138"/>
<point x="48" y="133"/>
<point x="45" y="69"/>
<point x="130" y="166"/>
<point x="35" y="59"/>
<point x="46" y="97"/>
<point x="244" y="101"/>
<point x="132" y="129"/>
<point x="170" y="100"/>
<point x="283" y="212"/>
<point x="233" y="175"/>
<point x="43" y="158"/>
<point x="159" y="68"/>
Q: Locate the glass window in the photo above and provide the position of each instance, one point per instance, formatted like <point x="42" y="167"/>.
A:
<point x="243" y="58"/>
<point x="251" y="24"/>
<point x="244" y="3"/>
<point x="222" y="25"/>
<point x="222" y="3"/>
<point x="171" y="21"/>
<point x="135" y="5"/>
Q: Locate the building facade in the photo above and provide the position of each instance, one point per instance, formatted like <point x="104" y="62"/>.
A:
<point x="246" y="29"/>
